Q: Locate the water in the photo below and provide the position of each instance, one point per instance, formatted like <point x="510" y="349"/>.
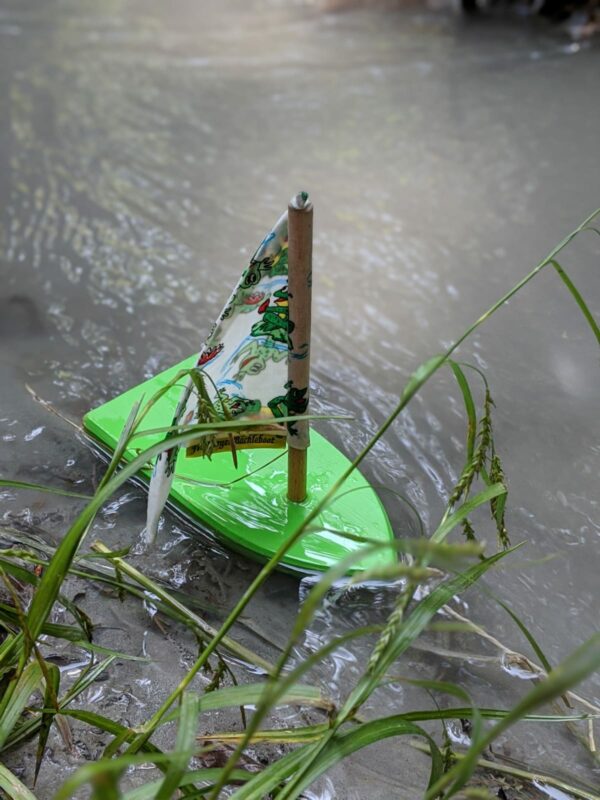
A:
<point x="144" y="150"/>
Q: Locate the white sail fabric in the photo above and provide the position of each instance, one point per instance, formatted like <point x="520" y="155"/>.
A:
<point x="244" y="360"/>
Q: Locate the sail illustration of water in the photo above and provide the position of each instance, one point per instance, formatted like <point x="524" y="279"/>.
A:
<point x="254" y="366"/>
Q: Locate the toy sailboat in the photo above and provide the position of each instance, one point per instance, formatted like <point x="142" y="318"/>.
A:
<point x="255" y="364"/>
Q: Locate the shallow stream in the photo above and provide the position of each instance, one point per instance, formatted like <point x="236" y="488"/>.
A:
<point x="146" y="147"/>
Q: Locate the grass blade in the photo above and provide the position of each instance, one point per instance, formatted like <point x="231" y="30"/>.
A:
<point x="465" y="389"/>
<point x="251" y="694"/>
<point x="10" y="616"/>
<point x="107" y="651"/>
<point x="16" y="697"/>
<point x="37" y="487"/>
<point x="184" y="746"/>
<point x="578" y="299"/>
<point x="528" y="635"/>
<point x="12" y="786"/>
<point x="312" y="733"/>
<point x="52" y="677"/>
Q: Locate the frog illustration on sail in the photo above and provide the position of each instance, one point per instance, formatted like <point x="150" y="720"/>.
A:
<point x="275" y="323"/>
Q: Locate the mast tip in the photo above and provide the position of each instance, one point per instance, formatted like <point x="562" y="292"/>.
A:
<point x="301" y="201"/>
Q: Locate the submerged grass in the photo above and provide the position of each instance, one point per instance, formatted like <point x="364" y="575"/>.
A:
<point x="314" y="748"/>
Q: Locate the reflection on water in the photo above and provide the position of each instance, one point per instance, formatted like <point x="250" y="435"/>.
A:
<point x="145" y="148"/>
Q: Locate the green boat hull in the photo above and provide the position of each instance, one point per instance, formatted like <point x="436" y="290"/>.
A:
<point x="253" y="515"/>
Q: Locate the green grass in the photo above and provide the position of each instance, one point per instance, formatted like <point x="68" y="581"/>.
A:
<point x="32" y="699"/>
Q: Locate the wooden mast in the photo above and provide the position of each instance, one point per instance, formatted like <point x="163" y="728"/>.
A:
<point x="300" y="236"/>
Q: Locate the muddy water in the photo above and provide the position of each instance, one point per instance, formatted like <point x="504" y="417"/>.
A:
<point x="144" y="149"/>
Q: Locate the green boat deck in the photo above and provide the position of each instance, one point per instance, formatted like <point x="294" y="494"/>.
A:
<point x="253" y="515"/>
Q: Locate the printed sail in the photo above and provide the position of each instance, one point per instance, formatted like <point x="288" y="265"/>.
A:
<point x="244" y="362"/>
